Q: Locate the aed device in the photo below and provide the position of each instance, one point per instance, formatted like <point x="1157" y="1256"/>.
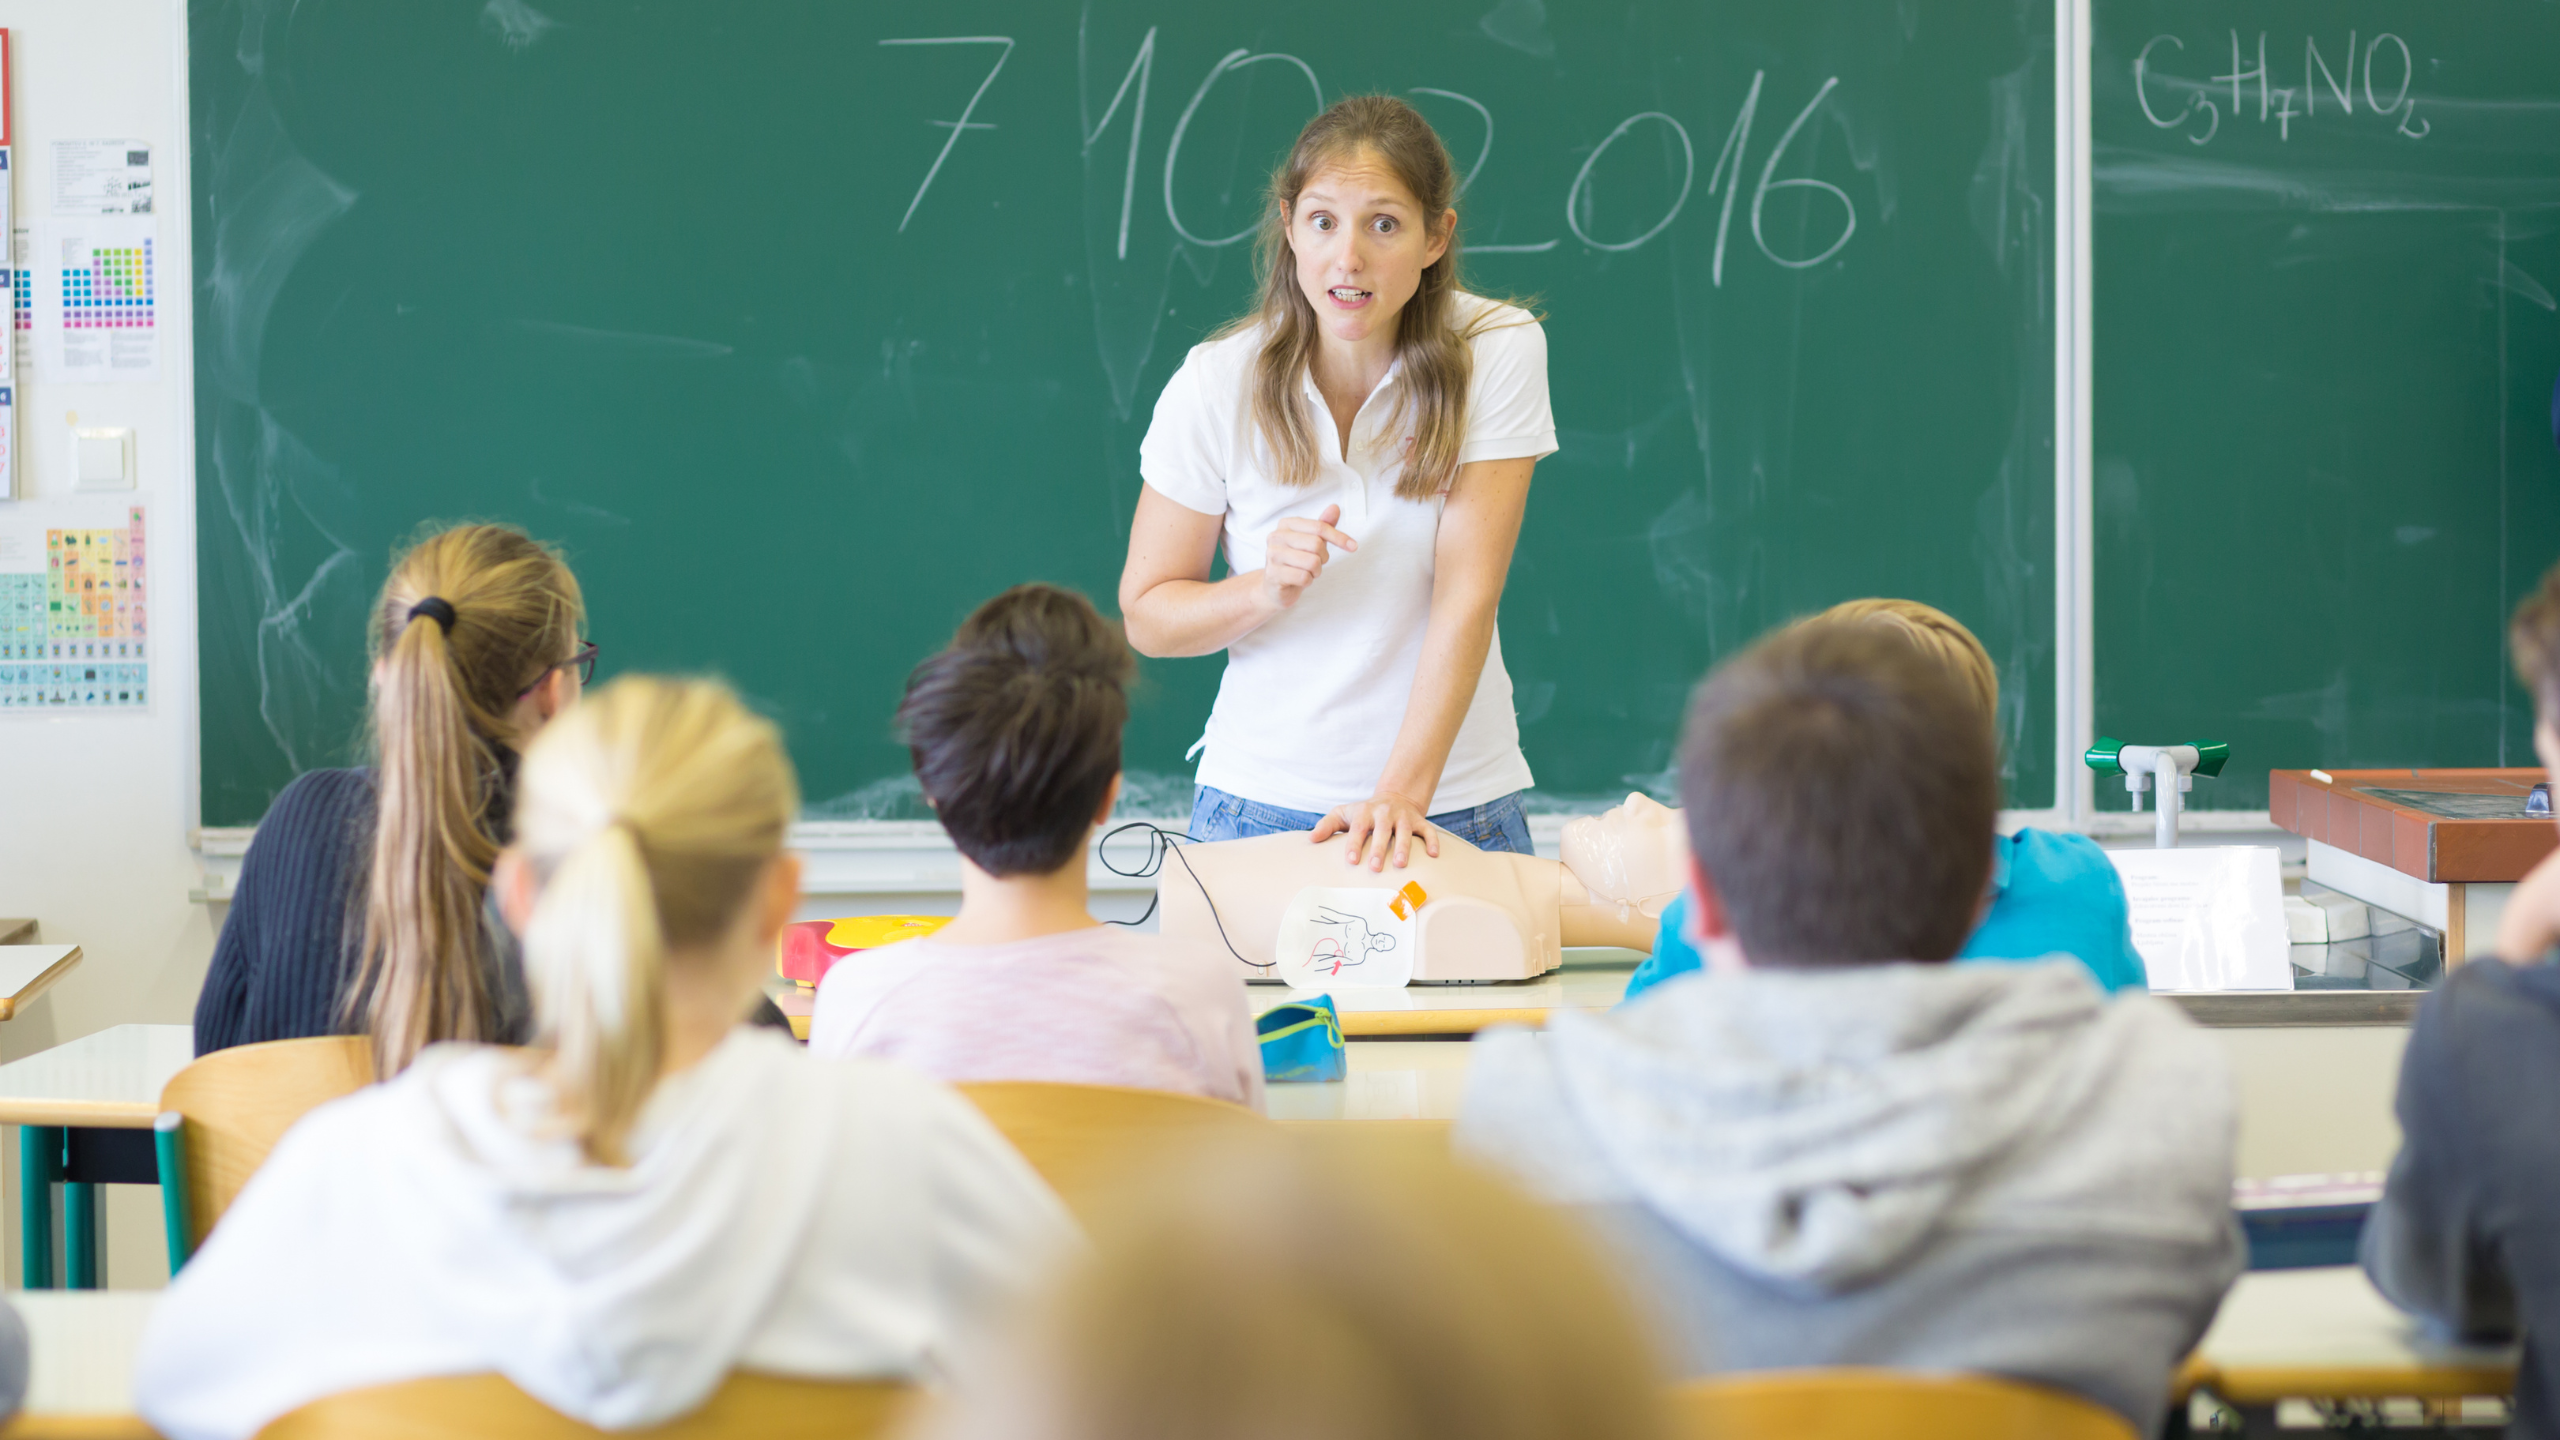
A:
<point x="807" y="949"/>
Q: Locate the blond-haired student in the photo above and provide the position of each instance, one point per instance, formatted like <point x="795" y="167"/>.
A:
<point x="2051" y="894"/>
<point x="1354" y="1288"/>
<point x="651" y="1194"/>
<point x="361" y="902"/>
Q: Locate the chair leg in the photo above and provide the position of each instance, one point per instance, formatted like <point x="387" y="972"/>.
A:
<point x="169" y="1143"/>
<point x="79" y="1235"/>
<point x="39" y="1163"/>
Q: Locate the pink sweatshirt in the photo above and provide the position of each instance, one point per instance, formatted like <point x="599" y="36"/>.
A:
<point x="1103" y="1006"/>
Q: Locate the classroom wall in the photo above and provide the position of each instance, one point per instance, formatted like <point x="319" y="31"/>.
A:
<point x="95" y="809"/>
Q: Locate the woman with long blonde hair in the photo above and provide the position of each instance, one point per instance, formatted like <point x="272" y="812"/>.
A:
<point x="649" y="1195"/>
<point x="1360" y="446"/>
<point x="361" y="904"/>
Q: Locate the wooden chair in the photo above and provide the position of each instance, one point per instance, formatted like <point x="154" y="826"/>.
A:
<point x="221" y="1115"/>
<point x="490" y="1407"/>
<point x="1859" y="1404"/>
<point x="1080" y="1137"/>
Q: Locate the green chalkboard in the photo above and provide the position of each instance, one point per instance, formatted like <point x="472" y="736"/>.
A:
<point x="803" y="335"/>
<point x="2325" y="344"/>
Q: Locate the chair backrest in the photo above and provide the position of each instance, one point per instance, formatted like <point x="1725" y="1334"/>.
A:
<point x="490" y="1407"/>
<point x="1079" y="1137"/>
<point x="1858" y="1404"/>
<point x="239" y="1102"/>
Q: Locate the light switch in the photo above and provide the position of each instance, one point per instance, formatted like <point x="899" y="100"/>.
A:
<point x="105" y="459"/>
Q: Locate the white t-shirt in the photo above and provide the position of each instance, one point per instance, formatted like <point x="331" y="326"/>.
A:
<point x="1311" y="702"/>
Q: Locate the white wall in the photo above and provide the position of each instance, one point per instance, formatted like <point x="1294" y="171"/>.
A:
<point x="95" y="808"/>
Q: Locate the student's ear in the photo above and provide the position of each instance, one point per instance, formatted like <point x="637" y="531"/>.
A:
<point x="781" y="895"/>
<point x="1110" y="800"/>
<point x="555" y="692"/>
<point x="1708" y="919"/>
<point x="1442" y="234"/>
<point x="511" y="881"/>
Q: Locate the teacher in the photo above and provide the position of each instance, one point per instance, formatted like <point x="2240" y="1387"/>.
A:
<point x="1361" y="445"/>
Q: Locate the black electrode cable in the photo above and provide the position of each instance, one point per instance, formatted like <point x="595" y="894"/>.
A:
<point x="1161" y="843"/>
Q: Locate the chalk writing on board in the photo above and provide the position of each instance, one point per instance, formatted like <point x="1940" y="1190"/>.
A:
<point x="1233" y="61"/>
<point x="964" y="123"/>
<point x="1141" y="70"/>
<point x="2252" y="85"/>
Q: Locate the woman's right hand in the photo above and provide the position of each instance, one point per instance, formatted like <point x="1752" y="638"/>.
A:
<point x="1295" y="554"/>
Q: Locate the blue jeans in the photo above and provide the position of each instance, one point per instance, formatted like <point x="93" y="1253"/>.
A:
<point x="1216" y="815"/>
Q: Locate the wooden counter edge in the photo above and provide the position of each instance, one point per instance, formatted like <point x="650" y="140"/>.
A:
<point x="9" y="1004"/>
<point x="1438" y="1022"/>
<point x="93" y="1114"/>
<point x="16" y="930"/>
<point x="2266" y="1384"/>
<point x="77" y="1427"/>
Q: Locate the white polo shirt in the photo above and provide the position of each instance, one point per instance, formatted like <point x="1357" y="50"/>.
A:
<point x="1308" y="710"/>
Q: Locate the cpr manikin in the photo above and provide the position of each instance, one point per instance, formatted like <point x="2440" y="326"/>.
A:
<point x="1462" y="915"/>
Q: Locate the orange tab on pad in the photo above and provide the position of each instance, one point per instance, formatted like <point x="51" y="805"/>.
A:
<point x="1408" y="900"/>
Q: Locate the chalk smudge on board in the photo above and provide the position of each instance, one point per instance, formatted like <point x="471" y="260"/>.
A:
<point x="630" y="342"/>
<point x="516" y="24"/>
<point x="897" y="798"/>
<point x="2325" y="709"/>
<point x="1522" y="25"/>
<point x="269" y="483"/>
<point x="2006" y="210"/>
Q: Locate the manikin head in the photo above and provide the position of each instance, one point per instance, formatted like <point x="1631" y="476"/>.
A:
<point x="1636" y="853"/>
<point x="1841" y="789"/>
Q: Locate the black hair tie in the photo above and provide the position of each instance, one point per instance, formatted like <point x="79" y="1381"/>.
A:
<point x="434" y="609"/>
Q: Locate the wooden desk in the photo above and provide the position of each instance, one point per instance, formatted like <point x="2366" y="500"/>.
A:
<point x="107" y="1081"/>
<point x="81" y="1345"/>
<point x="1389" y="1080"/>
<point x="2327" y="1334"/>
<point x="27" y="971"/>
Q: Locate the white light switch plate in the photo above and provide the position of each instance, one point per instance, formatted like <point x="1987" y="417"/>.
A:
<point x="105" y="459"/>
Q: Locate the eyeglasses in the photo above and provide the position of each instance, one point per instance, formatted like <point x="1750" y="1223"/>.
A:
<point x="585" y="660"/>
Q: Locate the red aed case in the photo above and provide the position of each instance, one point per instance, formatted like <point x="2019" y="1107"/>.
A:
<point x="809" y="948"/>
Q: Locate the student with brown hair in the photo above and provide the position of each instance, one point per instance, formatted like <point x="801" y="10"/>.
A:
<point x="2467" y="1234"/>
<point x="1352" y="1288"/>
<point x="1835" y="1148"/>
<point x="649" y="1195"/>
<point x="2051" y="893"/>
<point x="361" y="904"/>
<point x="1015" y="729"/>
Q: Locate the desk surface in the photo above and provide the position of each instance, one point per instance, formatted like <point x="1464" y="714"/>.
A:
<point x="81" y="1346"/>
<point x="111" y="1079"/>
<point x="1590" y="980"/>
<point x="27" y="971"/>
<point x="2327" y="1333"/>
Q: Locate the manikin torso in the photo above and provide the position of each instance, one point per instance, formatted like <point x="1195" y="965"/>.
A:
<point x="1485" y="915"/>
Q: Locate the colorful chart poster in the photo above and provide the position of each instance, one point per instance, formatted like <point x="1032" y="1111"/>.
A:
<point x="75" y="607"/>
<point x="96" y="298"/>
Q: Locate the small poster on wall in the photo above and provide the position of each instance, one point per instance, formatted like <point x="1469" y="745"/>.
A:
<point x="75" y="606"/>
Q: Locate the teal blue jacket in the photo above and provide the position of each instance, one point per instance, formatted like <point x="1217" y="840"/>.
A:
<point x="2051" y="895"/>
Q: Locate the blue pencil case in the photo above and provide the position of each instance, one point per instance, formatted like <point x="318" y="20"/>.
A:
<point x="1301" y="1042"/>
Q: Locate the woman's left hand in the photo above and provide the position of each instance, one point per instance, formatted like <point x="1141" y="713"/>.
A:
<point x="1385" y="823"/>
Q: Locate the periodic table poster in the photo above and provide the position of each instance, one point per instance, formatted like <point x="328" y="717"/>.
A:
<point x="75" y="606"/>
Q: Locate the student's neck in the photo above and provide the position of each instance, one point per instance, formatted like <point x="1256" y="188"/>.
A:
<point x="705" y="1000"/>
<point x="1000" y="911"/>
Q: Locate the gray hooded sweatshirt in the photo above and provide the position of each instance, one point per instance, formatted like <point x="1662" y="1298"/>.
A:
<point x="1987" y="1168"/>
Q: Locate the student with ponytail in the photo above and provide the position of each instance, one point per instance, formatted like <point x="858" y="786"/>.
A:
<point x="361" y="905"/>
<point x="648" y="1196"/>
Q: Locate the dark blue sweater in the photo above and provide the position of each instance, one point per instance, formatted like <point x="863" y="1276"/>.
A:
<point x="2468" y="1231"/>
<point x="288" y="948"/>
<point x="287" y="955"/>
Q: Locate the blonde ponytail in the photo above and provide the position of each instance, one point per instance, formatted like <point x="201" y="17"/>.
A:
<point x="648" y="814"/>
<point x="468" y="619"/>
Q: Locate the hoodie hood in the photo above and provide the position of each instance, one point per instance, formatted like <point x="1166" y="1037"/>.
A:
<point x="1814" y="1127"/>
<point x="619" y="1294"/>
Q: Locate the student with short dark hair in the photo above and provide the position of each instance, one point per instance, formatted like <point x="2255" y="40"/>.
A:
<point x="2467" y="1234"/>
<point x="1015" y="730"/>
<point x="1835" y="1148"/>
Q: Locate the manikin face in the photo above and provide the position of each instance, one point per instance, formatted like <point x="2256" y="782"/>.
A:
<point x="1632" y="852"/>
<point x="1362" y="243"/>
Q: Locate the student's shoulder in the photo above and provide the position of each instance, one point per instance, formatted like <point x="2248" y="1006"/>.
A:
<point x="321" y="794"/>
